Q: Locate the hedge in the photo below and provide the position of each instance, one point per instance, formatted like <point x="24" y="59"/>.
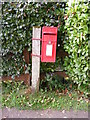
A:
<point x="76" y="44"/>
<point x="17" y="22"/>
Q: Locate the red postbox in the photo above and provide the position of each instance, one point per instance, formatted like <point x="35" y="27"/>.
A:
<point x="49" y="40"/>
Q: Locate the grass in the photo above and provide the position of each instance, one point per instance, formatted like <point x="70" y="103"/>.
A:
<point x="16" y="94"/>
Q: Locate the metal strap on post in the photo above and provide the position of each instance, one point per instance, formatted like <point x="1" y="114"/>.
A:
<point x="36" y="55"/>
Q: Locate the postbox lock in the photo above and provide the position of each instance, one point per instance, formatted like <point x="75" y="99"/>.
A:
<point x="49" y="42"/>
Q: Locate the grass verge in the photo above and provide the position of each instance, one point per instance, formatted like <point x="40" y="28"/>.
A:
<point x="16" y="94"/>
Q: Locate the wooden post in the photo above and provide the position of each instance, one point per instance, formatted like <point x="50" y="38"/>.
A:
<point x="36" y="59"/>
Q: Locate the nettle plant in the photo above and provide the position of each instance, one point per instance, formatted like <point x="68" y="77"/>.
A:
<point x="17" y="22"/>
<point x="76" y="43"/>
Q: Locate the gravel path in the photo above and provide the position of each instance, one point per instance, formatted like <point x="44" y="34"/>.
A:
<point x="14" y="113"/>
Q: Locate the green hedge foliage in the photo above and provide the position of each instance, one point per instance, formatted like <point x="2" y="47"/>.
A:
<point x="76" y="44"/>
<point x="17" y="22"/>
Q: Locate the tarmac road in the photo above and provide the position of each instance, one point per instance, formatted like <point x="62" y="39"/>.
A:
<point x="49" y="113"/>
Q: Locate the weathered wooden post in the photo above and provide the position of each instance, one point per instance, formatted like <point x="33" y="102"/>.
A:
<point x="36" y="59"/>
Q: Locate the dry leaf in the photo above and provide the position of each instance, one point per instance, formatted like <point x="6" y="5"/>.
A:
<point x="66" y="90"/>
<point x="70" y="95"/>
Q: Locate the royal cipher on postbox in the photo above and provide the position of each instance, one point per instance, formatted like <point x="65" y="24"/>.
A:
<point x="49" y="41"/>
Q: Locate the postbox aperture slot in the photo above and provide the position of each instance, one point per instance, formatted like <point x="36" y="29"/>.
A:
<point x="49" y="33"/>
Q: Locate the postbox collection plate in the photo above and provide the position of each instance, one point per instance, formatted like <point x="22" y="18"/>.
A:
<point x="49" y="41"/>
